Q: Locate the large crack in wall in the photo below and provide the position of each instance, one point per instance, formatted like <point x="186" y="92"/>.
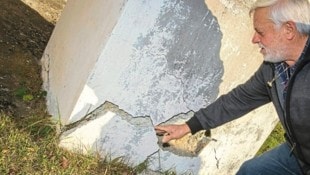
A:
<point x="113" y="132"/>
<point x="189" y="145"/>
<point x="164" y="72"/>
<point x="163" y="69"/>
<point x="159" y="61"/>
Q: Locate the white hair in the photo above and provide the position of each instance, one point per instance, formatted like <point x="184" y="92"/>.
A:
<point x="282" y="11"/>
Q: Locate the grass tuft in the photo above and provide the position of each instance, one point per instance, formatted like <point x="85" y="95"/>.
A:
<point x="30" y="146"/>
<point x="275" y="138"/>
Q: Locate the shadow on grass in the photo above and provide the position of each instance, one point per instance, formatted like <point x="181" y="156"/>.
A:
<point x="24" y="34"/>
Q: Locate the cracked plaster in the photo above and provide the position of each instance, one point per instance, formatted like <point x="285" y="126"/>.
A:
<point x="155" y="60"/>
<point x="165" y="67"/>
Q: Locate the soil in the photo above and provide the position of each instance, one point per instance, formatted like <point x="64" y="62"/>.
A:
<point x="25" y="28"/>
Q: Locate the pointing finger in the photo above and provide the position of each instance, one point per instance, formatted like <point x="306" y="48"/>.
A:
<point x="160" y="132"/>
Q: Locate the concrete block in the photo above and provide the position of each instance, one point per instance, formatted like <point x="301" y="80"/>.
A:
<point x="113" y="133"/>
<point x="120" y="67"/>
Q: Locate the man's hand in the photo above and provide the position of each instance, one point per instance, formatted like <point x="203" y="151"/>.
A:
<point x="170" y="132"/>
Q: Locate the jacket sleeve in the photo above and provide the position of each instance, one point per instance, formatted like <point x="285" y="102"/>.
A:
<point x="239" y="101"/>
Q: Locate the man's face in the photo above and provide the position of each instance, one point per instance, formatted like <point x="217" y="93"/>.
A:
<point x="268" y="37"/>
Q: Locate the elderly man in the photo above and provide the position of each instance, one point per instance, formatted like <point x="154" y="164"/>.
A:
<point x="282" y="30"/>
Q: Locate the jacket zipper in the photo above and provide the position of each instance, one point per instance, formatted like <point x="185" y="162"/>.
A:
<point x="287" y="115"/>
<point x="286" y="125"/>
<point x="292" y="149"/>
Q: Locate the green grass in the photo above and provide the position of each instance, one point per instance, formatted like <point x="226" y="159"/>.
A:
<point x="275" y="138"/>
<point x="30" y="146"/>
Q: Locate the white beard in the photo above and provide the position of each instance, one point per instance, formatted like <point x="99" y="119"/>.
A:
<point x="273" y="56"/>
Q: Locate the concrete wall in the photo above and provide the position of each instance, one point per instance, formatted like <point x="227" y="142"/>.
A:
<point x="73" y="50"/>
<point x="126" y="66"/>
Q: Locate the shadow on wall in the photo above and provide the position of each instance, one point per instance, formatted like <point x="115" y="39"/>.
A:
<point x="151" y="74"/>
<point x="188" y="57"/>
<point x="194" y="56"/>
<point x="191" y="38"/>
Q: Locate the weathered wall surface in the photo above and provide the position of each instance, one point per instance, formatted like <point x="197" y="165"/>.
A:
<point x="75" y="45"/>
<point x="130" y="65"/>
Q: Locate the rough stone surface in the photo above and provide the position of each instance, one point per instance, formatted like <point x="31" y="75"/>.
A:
<point x="165" y="66"/>
<point x="157" y="61"/>
<point x="113" y="133"/>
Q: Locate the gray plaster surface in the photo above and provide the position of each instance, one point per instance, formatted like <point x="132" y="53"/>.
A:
<point x="158" y="61"/>
<point x="114" y="134"/>
<point x="155" y="61"/>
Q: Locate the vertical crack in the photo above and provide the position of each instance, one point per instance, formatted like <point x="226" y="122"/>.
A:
<point x="217" y="159"/>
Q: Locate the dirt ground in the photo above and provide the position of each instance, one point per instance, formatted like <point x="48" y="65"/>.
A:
<point x="24" y="33"/>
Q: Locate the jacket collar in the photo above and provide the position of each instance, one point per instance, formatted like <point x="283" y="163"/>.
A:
<point x="305" y="55"/>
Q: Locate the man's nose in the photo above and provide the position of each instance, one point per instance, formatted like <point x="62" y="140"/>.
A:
<point x="255" y="38"/>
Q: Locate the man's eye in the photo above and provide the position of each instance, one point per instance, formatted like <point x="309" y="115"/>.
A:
<point x="260" y="33"/>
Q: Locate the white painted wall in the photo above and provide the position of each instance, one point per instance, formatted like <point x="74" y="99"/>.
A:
<point x="73" y="50"/>
<point x="154" y="60"/>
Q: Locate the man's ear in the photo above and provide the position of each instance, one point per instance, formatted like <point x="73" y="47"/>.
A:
<point x="290" y="29"/>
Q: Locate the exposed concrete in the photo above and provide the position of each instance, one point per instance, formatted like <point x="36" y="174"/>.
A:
<point x="157" y="61"/>
<point x="107" y="126"/>
<point x="161" y="70"/>
<point x="189" y="145"/>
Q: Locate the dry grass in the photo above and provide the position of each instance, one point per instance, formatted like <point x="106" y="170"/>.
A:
<point x="30" y="146"/>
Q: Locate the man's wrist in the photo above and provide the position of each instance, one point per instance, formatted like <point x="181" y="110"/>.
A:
<point x="194" y="125"/>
